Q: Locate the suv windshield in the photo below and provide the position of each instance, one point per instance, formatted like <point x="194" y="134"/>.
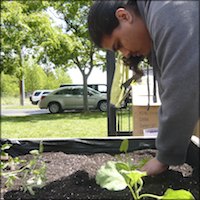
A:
<point x="37" y="94"/>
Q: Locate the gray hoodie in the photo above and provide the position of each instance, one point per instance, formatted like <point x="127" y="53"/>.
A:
<point x="174" y="29"/>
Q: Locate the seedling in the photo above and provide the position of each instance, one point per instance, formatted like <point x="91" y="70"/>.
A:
<point x="118" y="175"/>
<point x="32" y="173"/>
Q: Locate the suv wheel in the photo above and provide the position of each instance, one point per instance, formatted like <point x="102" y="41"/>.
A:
<point x="35" y="102"/>
<point x="102" y="105"/>
<point x="55" y="107"/>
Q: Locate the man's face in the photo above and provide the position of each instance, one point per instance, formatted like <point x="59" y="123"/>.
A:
<point x="131" y="37"/>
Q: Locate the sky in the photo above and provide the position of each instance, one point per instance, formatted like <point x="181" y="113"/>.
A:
<point x="96" y="76"/>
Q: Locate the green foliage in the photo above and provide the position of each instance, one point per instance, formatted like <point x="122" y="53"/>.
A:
<point x="124" y="146"/>
<point x="3" y="148"/>
<point x="27" y="31"/>
<point x="74" y="14"/>
<point x="124" y="149"/>
<point x="34" y="6"/>
<point x="9" y="85"/>
<point x="35" y="78"/>
<point x="177" y="194"/>
<point x="32" y="173"/>
<point x="57" y="50"/>
<point x="119" y="175"/>
<point x="109" y="178"/>
<point x="54" y="80"/>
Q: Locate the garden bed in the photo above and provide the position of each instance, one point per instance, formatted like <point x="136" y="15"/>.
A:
<point x="72" y="176"/>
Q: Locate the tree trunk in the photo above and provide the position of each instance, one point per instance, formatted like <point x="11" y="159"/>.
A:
<point x="22" y="92"/>
<point x="85" y="93"/>
<point x="21" y="82"/>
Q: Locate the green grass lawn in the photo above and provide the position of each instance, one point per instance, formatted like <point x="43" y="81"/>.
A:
<point x="14" y="103"/>
<point x="65" y="125"/>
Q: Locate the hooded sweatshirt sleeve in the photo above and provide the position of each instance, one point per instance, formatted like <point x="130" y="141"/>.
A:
<point x="174" y="29"/>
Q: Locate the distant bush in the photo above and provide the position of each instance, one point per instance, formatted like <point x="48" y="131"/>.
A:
<point x="35" y="78"/>
<point x="9" y="85"/>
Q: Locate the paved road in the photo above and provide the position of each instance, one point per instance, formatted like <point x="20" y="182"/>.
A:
<point x="22" y="112"/>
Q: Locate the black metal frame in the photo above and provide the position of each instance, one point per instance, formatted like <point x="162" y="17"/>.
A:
<point x="111" y="111"/>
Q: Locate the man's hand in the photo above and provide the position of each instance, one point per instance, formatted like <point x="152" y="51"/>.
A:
<point x="154" y="167"/>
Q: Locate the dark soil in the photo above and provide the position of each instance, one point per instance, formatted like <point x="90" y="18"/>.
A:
<point x="71" y="176"/>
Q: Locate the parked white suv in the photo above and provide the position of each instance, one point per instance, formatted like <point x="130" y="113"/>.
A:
<point x="37" y="94"/>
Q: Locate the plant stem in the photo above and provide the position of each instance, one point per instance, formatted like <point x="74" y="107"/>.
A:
<point x="132" y="192"/>
<point x="136" y="190"/>
<point x="150" y="195"/>
<point x="14" y="172"/>
<point x="140" y="186"/>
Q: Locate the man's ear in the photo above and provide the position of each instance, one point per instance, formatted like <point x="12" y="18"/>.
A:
<point x="123" y="15"/>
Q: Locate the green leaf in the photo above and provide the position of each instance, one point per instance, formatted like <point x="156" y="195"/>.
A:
<point x="3" y="166"/>
<point x="6" y="146"/>
<point x="135" y="176"/>
<point x="39" y="182"/>
<point x="124" y="146"/>
<point x="4" y="153"/>
<point x="41" y="148"/>
<point x="177" y="194"/>
<point x="108" y="177"/>
<point x="122" y="166"/>
<point x="34" y="152"/>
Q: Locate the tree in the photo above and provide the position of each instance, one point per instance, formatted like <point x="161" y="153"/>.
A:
<point x="85" y="55"/>
<point x="16" y="37"/>
<point x="35" y="78"/>
<point x="9" y="85"/>
<point x="56" y="78"/>
<point x="26" y="32"/>
<point x="61" y="76"/>
<point x="38" y="78"/>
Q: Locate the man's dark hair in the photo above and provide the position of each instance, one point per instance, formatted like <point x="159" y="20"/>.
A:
<point x="102" y="20"/>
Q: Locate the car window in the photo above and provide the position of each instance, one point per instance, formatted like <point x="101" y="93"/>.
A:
<point x="64" y="92"/>
<point x="93" y="87"/>
<point x="46" y="92"/>
<point x="37" y="94"/>
<point x="90" y="93"/>
<point x="77" y="91"/>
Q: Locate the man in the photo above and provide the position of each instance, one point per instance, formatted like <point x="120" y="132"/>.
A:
<point x="167" y="32"/>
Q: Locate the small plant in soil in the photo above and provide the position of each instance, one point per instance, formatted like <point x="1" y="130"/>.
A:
<point x="32" y="172"/>
<point x="118" y="175"/>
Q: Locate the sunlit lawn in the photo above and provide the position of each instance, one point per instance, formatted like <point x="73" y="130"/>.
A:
<point x="14" y="103"/>
<point x="65" y="125"/>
